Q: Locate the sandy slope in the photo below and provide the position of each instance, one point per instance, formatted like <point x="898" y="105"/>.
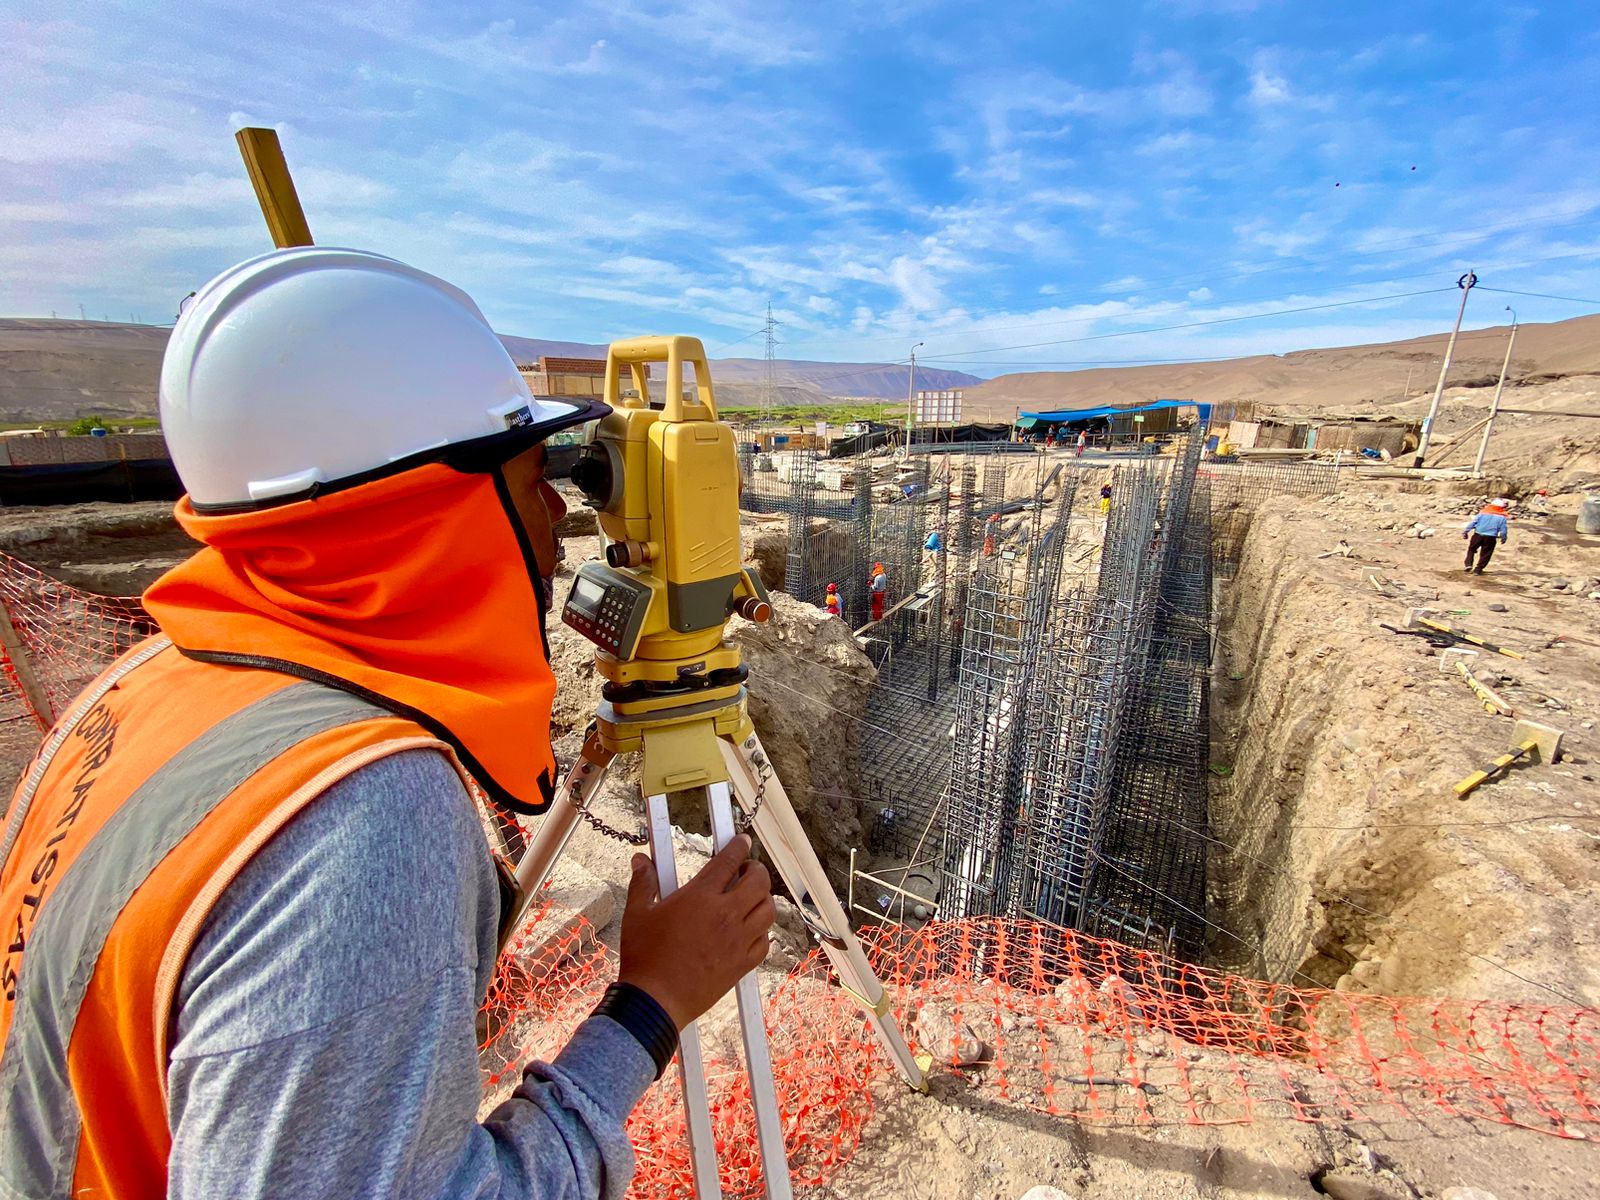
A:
<point x="58" y="370"/>
<point x="1349" y="378"/>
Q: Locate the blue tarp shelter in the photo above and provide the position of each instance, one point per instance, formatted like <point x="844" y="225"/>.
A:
<point x="1068" y="416"/>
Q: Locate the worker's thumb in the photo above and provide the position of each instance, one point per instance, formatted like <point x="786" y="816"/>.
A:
<point x="718" y="874"/>
<point x="643" y="886"/>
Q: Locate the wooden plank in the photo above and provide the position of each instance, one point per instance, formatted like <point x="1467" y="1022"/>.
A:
<point x="269" y="175"/>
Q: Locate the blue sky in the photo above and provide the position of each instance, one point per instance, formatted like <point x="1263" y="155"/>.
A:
<point x="976" y="177"/>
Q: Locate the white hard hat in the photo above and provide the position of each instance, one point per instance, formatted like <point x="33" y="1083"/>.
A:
<point x="314" y="366"/>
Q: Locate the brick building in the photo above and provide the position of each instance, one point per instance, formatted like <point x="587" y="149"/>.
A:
<point x="552" y="376"/>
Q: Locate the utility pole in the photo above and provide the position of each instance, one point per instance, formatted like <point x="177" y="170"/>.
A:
<point x="769" y="380"/>
<point x="1494" y="408"/>
<point x="1466" y="284"/>
<point x="911" y="396"/>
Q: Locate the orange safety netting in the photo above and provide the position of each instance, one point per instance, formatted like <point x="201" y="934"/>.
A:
<point x="68" y="636"/>
<point x="553" y="973"/>
<point x="1097" y="1031"/>
<point x="1076" y="1027"/>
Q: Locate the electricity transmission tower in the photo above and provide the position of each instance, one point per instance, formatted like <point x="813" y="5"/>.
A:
<point x="769" y="378"/>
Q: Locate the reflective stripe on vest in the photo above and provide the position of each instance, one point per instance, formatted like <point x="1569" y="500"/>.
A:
<point x="40" y="1135"/>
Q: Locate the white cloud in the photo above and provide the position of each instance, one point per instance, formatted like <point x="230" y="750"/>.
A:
<point x="915" y="282"/>
<point x="1178" y="142"/>
<point x="1200" y="293"/>
<point x="1174" y="86"/>
<point x="1267" y="86"/>
<point x="52" y="210"/>
<point x="1282" y="242"/>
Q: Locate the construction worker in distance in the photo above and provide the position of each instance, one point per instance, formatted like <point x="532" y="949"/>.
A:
<point x="1083" y="440"/>
<point x="1105" y="497"/>
<point x="831" y="600"/>
<point x="250" y="909"/>
<point x="878" y="589"/>
<point x="1483" y="531"/>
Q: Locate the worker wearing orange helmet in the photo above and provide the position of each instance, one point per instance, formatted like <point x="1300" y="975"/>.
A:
<point x="1483" y="531"/>
<point x="878" y="589"/>
<point x="831" y="600"/>
<point x="250" y="912"/>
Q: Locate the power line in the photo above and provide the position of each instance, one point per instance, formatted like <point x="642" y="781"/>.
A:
<point x="1542" y="296"/>
<point x="736" y="341"/>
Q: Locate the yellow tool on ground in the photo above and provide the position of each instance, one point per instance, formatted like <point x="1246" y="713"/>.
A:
<point x="1535" y="743"/>
<point x="1486" y="695"/>
<point x="1459" y="661"/>
<point x="1420" y="618"/>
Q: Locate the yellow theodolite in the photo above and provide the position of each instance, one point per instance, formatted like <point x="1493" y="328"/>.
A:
<point x="665" y="484"/>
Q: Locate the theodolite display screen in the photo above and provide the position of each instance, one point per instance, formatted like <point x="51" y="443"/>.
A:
<point x="608" y="608"/>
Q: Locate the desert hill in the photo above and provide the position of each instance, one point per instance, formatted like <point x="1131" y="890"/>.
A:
<point x="54" y="370"/>
<point x="1338" y="380"/>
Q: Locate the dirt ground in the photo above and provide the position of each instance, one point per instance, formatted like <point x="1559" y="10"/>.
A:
<point x="110" y="549"/>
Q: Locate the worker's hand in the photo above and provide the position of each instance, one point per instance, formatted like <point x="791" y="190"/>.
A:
<point x="689" y="949"/>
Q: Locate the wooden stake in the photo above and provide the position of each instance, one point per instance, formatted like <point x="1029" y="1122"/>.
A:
<point x="33" y="690"/>
<point x="269" y="174"/>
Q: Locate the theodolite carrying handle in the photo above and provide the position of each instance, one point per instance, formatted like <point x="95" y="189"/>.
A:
<point x="637" y="353"/>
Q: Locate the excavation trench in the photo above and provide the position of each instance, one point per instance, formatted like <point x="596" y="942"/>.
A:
<point x="1339" y="854"/>
<point x="1285" y="805"/>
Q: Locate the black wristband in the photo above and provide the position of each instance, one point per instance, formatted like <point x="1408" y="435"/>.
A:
<point x="637" y="1011"/>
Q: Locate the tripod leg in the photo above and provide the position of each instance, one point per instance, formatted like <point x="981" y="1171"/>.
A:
<point x="780" y="832"/>
<point x="556" y="826"/>
<point x="691" y="1063"/>
<point x="757" y="1053"/>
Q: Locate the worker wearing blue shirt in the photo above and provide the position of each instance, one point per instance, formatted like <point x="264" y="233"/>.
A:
<point x="1483" y="531"/>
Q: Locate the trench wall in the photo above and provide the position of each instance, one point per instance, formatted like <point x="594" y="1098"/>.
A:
<point x="1340" y="854"/>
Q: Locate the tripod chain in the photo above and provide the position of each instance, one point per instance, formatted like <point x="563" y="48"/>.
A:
<point x="611" y="831"/>
<point x="745" y="820"/>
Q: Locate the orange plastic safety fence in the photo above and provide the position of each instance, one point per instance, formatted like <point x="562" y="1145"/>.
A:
<point x="1090" y="1030"/>
<point x="68" y="635"/>
<point x="1097" y="1031"/>
<point x="553" y="973"/>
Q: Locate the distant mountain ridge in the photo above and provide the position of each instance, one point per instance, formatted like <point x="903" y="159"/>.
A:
<point x="54" y="370"/>
<point x="884" y="381"/>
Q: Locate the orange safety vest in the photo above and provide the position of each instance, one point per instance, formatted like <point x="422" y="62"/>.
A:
<point x="143" y="805"/>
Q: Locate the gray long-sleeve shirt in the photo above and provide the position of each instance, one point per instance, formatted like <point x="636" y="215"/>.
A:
<point x="325" y="1040"/>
